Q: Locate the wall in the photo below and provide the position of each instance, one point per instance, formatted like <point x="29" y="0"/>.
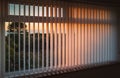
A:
<point x="0" y="38"/>
<point x="118" y="24"/>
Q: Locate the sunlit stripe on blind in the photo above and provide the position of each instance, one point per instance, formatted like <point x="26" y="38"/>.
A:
<point x="70" y="37"/>
<point x="51" y="38"/>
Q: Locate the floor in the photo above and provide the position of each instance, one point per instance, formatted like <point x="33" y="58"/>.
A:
<point x="108" y="71"/>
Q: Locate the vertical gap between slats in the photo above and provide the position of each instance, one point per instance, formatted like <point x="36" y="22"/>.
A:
<point x="38" y="37"/>
<point x="14" y="40"/>
<point x="19" y="37"/>
<point x="24" y="35"/>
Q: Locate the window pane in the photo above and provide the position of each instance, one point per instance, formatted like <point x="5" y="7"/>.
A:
<point x="26" y="10"/>
<point x="57" y="12"/>
<point x="53" y="11"/>
<point x="40" y="10"/>
<point x="31" y="10"/>
<point x="21" y="10"/>
<point x="45" y="12"/>
<point x="36" y="10"/>
<point x="11" y="9"/>
<point x="16" y="9"/>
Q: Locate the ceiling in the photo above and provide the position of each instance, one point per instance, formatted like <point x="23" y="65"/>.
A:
<point x="101" y="2"/>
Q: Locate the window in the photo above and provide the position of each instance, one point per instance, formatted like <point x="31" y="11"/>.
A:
<point x="42" y="38"/>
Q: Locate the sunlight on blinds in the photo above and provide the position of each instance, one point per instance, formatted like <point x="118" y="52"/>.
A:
<point x="59" y="37"/>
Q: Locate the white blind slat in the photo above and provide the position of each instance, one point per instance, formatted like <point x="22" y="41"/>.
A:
<point x="43" y="10"/>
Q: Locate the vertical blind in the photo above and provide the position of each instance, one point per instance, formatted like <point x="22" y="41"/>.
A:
<point x="53" y="36"/>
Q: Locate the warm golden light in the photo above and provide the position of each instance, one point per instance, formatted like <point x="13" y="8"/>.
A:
<point x="88" y="13"/>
